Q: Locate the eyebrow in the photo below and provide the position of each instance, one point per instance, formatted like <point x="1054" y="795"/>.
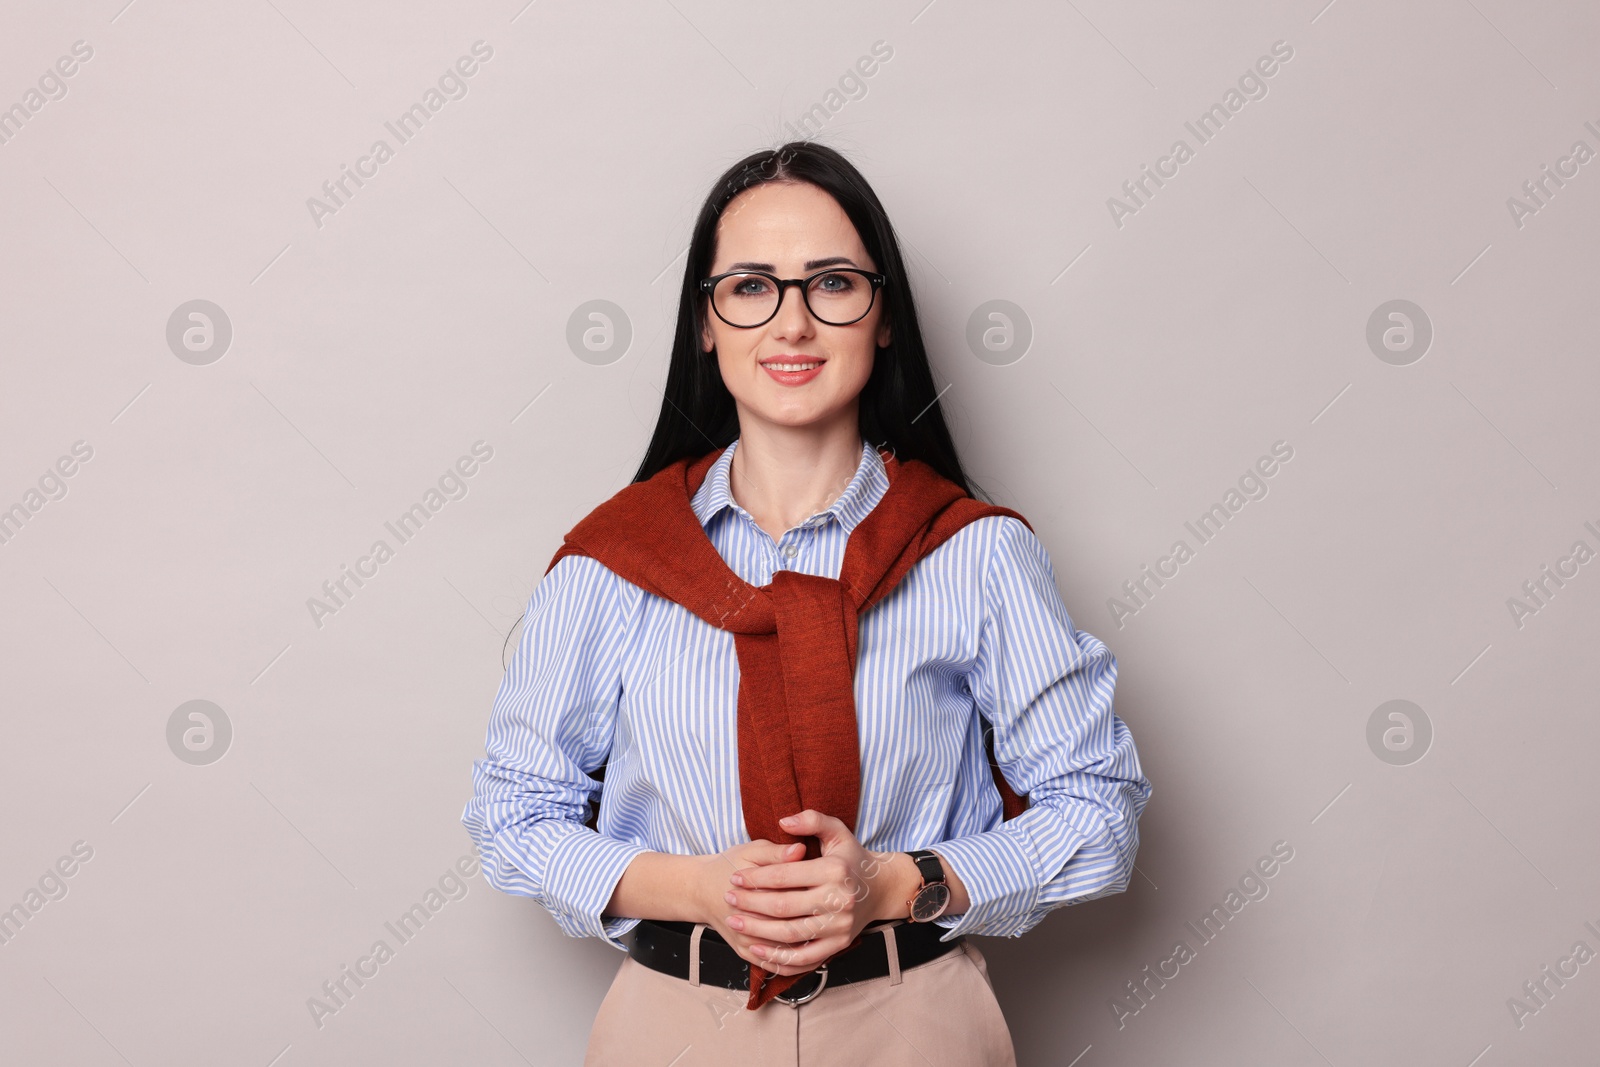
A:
<point x="811" y="264"/>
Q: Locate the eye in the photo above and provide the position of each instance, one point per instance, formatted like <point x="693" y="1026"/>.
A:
<point x="835" y="283"/>
<point x="750" y="285"/>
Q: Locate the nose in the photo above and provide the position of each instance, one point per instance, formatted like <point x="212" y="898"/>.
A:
<point x="793" y="316"/>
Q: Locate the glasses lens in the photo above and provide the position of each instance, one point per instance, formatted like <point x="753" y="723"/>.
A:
<point x="837" y="298"/>
<point x="745" y="299"/>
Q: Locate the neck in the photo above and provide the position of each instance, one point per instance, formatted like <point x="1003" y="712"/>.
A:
<point x="783" y="475"/>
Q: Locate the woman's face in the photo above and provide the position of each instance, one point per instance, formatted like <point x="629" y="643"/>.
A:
<point x="792" y="230"/>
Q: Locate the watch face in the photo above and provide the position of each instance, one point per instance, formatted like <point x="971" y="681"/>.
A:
<point x="930" y="902"/>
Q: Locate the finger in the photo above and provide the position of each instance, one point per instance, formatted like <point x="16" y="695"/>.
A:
<point x="761" y="853"/>
<point x="784" y="903"/>
<point x="796" y="959"/>
<point x="746" y="947"/>
<point x="787" y="933"/>
<point x="813" y="823"/>
<point x="799" y="874"/>
<point x="761" y="952"/>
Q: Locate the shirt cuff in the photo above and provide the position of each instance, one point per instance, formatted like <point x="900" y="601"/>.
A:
<point x="1003" y="873"/>
<point x="583" y="871"/>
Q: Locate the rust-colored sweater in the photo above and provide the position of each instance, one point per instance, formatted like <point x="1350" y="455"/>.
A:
<point x="795" y="637"/>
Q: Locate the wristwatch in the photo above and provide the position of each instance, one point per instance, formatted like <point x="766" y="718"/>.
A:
<point x="933" y="898"/>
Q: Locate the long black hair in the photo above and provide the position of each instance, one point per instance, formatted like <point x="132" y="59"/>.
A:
<point x="899" y="408"/>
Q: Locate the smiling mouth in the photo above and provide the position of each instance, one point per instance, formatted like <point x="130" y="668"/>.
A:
<point x="789" y="366"/>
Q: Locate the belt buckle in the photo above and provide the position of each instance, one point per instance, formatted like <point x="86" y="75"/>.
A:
<point x="795" y="1002"/>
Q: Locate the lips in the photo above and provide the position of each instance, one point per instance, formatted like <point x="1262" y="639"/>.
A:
<point x="792" y="371"/>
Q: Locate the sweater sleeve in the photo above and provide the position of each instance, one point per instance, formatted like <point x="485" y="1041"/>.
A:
<point x="1045" y="689"/>
<point x="551" y="725"/>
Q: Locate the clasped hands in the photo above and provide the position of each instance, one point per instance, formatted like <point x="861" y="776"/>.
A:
<point x="788" y="914"/>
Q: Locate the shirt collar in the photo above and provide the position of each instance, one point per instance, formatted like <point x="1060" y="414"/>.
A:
<point x="871" y="481"/>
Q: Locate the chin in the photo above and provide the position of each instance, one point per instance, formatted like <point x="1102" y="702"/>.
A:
<point x="793" y="420"/>
<point x="795" y="416"/>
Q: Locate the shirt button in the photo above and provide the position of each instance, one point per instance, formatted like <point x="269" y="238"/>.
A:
<point x="791" y="551"/>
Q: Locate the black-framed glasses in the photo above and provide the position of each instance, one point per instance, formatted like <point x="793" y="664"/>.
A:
<point x="837" y="296"/>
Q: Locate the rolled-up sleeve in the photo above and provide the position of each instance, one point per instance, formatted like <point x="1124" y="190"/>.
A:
<point x="1045" y="689"/>
<point x="552" y="724"/>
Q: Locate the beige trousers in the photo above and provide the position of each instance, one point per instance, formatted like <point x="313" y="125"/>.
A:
<point x="939" y="1013"/>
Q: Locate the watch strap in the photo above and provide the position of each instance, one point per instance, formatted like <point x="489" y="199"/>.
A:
<point x="928" y="863"/>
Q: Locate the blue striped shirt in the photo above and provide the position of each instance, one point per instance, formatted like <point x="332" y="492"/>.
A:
<point x="974" y="634"/>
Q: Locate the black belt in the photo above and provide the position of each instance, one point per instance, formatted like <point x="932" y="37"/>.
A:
<point x="664" y="946"/>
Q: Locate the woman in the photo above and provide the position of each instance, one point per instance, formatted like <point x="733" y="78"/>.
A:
<point x="841" y="714"/>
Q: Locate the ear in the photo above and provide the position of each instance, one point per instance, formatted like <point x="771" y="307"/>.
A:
<point x="883" y="333"/>
<point x="708" y="341"/>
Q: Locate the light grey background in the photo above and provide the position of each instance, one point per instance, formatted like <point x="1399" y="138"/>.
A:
<point x="1168" y="354"/>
